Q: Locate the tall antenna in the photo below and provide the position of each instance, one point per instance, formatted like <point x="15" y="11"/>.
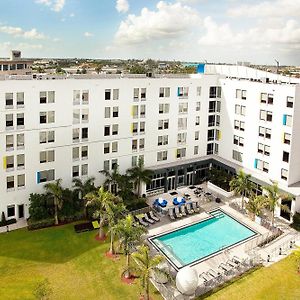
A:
<point x="277" y="63"/>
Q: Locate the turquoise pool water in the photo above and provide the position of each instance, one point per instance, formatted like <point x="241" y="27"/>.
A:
<point x="195" y="242"/>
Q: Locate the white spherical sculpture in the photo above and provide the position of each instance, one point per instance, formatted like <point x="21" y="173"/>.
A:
<point x="187" y="281"/>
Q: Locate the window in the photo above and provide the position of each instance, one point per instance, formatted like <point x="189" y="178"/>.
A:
<point x="115" y="129"/>
<point x="20" y="120"/>
<point x="183" y="108"/>
<point x="182" y="123"/>
<point x="183" y="92"/>
<point x="47" y="97"/>
<point x="20" y="99"/>
<point x="210" y="135"/>
<point x="76" y="116"/>
<point x="163" y="108"/>
<point x="47" y="117"/>
<point x="162" y="155"/>
<point x="287" y="138"/>
<point x="287" y="120"/>
<point x="143" y="94"/>
<point x="180" y="153"/>
<point x="240" y="110"/>
<point x="114" y="163"/>
<point x="136" y="94"/>
<point x="285" y="156"/>
<point x="164" y="92"/>
<point x="266" y="98"/>
<point x="197" y="135"/>
<point x="162" y="140"/>
<point x="211" y="120"/>
<point x="84" y="152"/>
<point x="264" y="132"/>
<point x="84" y="169"/>
<point x="106" y="165"/>
<point x="261" y="165"/>
<point x="47" y="156"/>
<point x="75" y="153"/>
<point x="270" y="98"/>
<point x="84" y="133"/>
<point x="107" y="94"/>
<point x="46" y="137"/>
<point x="85" y="116"/>
<point x="143" y="111"/>
<point x="135" y="111"/>
<point x="215" y="92"/>
<point x="134" y="160"/>
<point x="20" y="161"/>
<point x="198" y="91"/>
<point x="107" y="112"/>
<point x="134" y="145"/>
<point x="21" y="180"/>
<point x="9" y="120"/>
<point x="115" y="112"/>
<point x="284" y="174"/>
<point x="196" y="150"/>
<point x="139" y="93"/>
<point x="197" y="122"/>
<point x="75" y="171"/>
<point x="115" y="94"/>
<point x="163" y="124"/>
<point x="10" y="182"/>
<point x="241" y="94"/>
<point x="239" y="125"/>
<point x="47" y="175"/>
<point x="11" y="211"/>
<point x="10" y="162"/>
<point x="237" y="140"/>
<point x="198" y="104"/>
<point x="20" y="141"/>
<point x="114" y="147"/>
<point x="9" y="100"/>
<point x="106" y="130"/>
<point x="181" y="138"/>
<point x="236" y="155"/>
<point x="9" y="142"/>
<point x="134" y="127"/>
<point x="142" y="127"/>
<point x="76" y="133"/>
<point x="76" y="97"/>
<point x="289" y="102"/>
<point x="210" y="148"/>
<point x="85" y="97"/>
<point x="263" y="149"/>
<point x="265" y="115"/>
<point x="142" y="144"/>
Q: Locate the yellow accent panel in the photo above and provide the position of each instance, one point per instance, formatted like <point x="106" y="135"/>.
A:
<point x="132" y="127"/>
<point x="4" y="162"/>
<point x="283" y="137"/>
<point x="132" y="108"/>
<point x="219" y="135"/>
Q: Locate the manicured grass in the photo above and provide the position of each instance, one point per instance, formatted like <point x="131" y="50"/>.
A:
<point x="277" y="282"/>
<point x="74" y="264"/>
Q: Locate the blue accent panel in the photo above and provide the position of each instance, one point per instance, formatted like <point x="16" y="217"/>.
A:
<point x="38" y="177"/>
<point x="178" y="91"/>
<point x="255" y="163"/>
<point x="284" y="120"/>
<point x="200" y="68"/>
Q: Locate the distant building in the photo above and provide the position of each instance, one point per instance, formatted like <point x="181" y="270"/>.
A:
<point x="243" y="63"/>
<point x="15" y="65"/>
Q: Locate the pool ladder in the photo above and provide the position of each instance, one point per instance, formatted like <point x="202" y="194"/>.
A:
<point x="217" y="214"/>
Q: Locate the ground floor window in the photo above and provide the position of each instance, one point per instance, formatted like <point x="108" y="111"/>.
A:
<point x="10" y="211"/>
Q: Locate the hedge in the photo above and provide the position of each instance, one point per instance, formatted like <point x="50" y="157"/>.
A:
<point x="40" y="224"/>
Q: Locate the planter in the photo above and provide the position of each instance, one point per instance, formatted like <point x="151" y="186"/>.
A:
<point x="220" y="191"/>
<point x="258" y="220"/>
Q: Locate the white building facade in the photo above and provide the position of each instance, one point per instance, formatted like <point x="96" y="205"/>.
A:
<point x="230" y="117"/>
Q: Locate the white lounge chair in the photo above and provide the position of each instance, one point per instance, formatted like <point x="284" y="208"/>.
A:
<point x="182" y="210"/>
<point x="153" y="216"/>
<point x="141" y="221"/>
<point x="171" y="214"/>
<point x="189" y="208"/>
<point x="195" y="208"/>
<point x="148" y="219"/>
<point x="177" y="212"/>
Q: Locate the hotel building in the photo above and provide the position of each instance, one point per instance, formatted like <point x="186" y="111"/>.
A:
<point x="227" y="117"/>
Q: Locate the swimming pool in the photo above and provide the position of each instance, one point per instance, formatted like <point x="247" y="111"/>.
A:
<point x="196" y="242"/>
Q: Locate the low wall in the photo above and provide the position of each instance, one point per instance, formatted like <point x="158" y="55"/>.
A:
<point x="218" y="190"/>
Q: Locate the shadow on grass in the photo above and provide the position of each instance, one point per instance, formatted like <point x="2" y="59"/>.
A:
<point x="50" y="245"/>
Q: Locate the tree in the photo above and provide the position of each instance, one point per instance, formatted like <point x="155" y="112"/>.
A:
<point x="101" y="201"/>
<point x="273" y="197"/>
<point x="39" y="207"/>
<point x="43" y="290"/>
<point x="137" y="69"/>
<point x="147" y="267"/>
<point x="125" y="188"/>
<point x="55" y="190"/>
<point x="111" y="181"/>
<point x="139" y="174"/>
<point x="128" y="233"/>
<point x="98" y="68"/>
<point x="114" y="212"/>
<point x="256" y="204"/>
<point x="241" y="185"/>
<point x="83" y="188"/>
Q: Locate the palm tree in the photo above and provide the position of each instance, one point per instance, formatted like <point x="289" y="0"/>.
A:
<point x="241" y="185"/>
<point x="83" y="188"/>
<point x="273" y="197"/>
<point x="115" y="211"/>
<point x="101" y="201"/>
<point x="129" y="233"/>
<point x="139" y="174"/>
<point x="111" y="181"/>
<point x="147" y="267"/>
<point x="55" y="190"/>
<point x="256" y="204"/>
<point x="125" y="188"/>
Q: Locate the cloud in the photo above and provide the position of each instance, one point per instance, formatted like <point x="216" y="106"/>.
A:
<point x="122" y="6"/>
<point x="277" y="8"/>
<point x="88" y="34"/>
<point x="19" y="32"/>
<point x="55" y="5"/>
<point x="166" y="22"/>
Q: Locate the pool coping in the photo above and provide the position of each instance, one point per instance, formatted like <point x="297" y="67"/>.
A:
<point x="204" y="258"/>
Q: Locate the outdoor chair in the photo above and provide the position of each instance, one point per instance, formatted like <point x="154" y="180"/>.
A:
<point x="171" y="214"/>
<point x="148" y="219"/>
<point x="195" y="208"/>
<point x="182" y="210"/>
<point x="141" y="221"/>
<point x="177" y="212"/>
<point x="153" y="216"/>
<point x="189" y="208"/>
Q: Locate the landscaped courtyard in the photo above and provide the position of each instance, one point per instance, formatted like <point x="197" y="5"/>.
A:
<point x="76" y="267"/>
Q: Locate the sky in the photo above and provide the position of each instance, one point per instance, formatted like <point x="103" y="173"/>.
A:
<point x="186" y="30"/>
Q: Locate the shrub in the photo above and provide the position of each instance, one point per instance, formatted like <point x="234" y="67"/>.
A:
<point x="11" y="221"/>
<point x="32" y="224"/>
<point x="39" y="207"/>
<point x="296" y="221"/>
<point x="3" y="219"/>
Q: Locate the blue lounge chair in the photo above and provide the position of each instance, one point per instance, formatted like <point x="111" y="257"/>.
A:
<point x="178" y="201"/>
<point x="161" y="202"/>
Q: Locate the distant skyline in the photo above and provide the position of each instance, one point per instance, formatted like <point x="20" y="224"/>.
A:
<point x="187" y="30"/>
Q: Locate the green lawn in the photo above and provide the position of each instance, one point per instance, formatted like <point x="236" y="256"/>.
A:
<point x="74" y="264"/>
<point x="277" y="282"/>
